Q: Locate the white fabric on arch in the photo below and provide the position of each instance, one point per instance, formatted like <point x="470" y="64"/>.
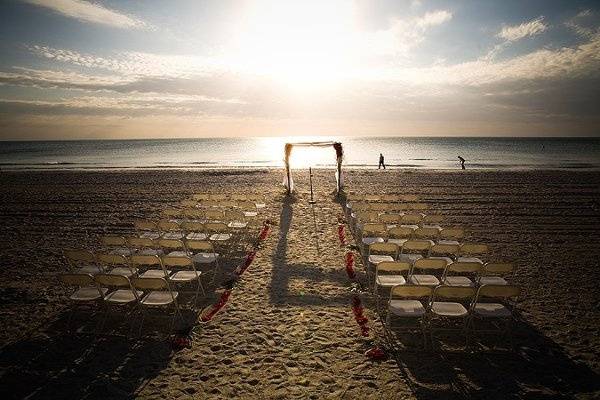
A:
<point x="288" y="181"/>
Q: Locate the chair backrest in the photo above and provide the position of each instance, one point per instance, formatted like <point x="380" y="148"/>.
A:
<point x="150" y="283"/>
<point x="113" y="240"/>
<point x="112" y="280"/>
<point x="430" y="264"/>
<point x="473" y="248"/>
<point x="390" y="218"/>
<point x="217" y="227"/>
<point x="412" y="219"/>
<point x="214" y="215"/>
<point x="144" y="225"/>
<point x="433" y="219"/>
<point x="77" y="256"/>
<point x="177" y="261"/>
<point x="410" y="291"/>
<point x="138" y="242"/>
<point x="452" y="233"/>
<point x="499" y="292"/>
<point x="460" y="293"/>
<point x="145" y="260"/>
<point x="498" y="268"/>
<point x="418" y="246"/>
<point x="170" y="244"/>
<point x="400" y="232"/>
<point x="112" y="259"/>
<point x="192" y="226"/>
<point x="426" y="233"/>
<point x="202" y="246"/>
<point x="374" y="229"/>
<point x="444" y="249"/>
<point x="393" y="267"/>
<point x="77" y="279"/>
<point x="166" y="225"/>
<point x="384" y="248"/>
<point x="464" y="268"/>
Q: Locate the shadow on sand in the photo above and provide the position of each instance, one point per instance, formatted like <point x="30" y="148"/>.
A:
<point x="283" y="271"/>
<point x="55" y="363"/>
<point x="538" y="369"/>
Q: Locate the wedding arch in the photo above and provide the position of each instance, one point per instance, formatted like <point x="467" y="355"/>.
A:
<point x="288" y="182"/>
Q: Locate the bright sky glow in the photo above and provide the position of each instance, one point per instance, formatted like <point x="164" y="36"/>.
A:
<point x="184" y="68"/>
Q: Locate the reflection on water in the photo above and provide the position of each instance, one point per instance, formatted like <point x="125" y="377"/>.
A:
<point x="497" y="153"/>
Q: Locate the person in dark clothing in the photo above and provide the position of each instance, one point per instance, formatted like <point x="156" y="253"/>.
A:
<point x="462" y="162"/>
<point x="381" y="161"/>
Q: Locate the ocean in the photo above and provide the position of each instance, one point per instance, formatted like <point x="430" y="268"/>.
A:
<point x="263" y="152"/>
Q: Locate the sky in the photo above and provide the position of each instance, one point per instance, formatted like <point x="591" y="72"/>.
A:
<point x="74" y="69"/>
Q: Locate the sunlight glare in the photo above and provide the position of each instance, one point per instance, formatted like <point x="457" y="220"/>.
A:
<point x="303" y="44"/>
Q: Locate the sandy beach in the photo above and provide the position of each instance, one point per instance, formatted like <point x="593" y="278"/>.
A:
<point x="288" y="329"/>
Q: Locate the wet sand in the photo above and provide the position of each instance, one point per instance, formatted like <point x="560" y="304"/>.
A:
<point x="288" y="329"/>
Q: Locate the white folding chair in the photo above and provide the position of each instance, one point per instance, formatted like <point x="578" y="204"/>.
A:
<point x="413" y="249"/>
<point x="389" y="274"/>
<point x="496" y="273"/>
<point x="158" y="296"/>
<point x="116" y="263"/>
<point x="185" y="273"/>
<point x="203" y="253"/>
<point x="495" y="305"/>
<point x="435" y="267"/>
<point x="146" y="229"/>
<point x="410" y="305"/>
<point x="115" y="244"/>
<point x="149" y="264"/>
<point x="461" y="274"/>
<point x="450" y="310"/>
<point x="169" y="229"/>
<point x="144" y="246"/>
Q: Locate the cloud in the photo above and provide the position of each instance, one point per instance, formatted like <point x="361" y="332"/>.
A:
<point x="134" y="63"/>
<point x="526" y="29"/>
<point x="585" y="24"/>
<point x="90" y="12"/>
<point x="404" y="34"/>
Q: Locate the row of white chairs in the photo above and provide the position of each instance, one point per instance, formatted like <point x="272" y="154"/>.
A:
<point x="376" y="232"/>
<point x="140" y="262"/>
<point x="434" y="271"/>
<point x="451" y="309"/>
<point x="392" y="219"/>
<point x="412" y="249"/>
<point x="210" y="214"/>
<point x="130" y="296"/>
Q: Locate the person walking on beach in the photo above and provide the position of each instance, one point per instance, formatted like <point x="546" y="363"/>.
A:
<point x="462" y="162"/>
<point x="381" y="161"/>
